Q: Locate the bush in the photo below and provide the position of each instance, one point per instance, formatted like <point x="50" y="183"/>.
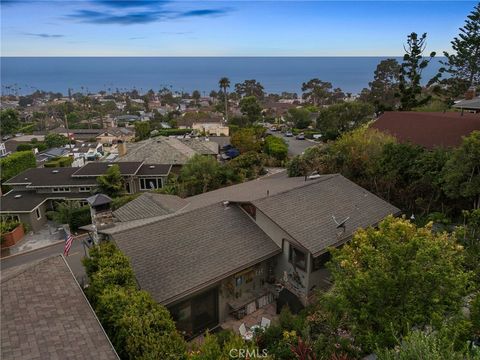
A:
<point x="15" y="163"/>
<point x="24" y="147"/>
<point x="171" y="132"/>
<point x="276" y="147"/>
<point x="73" y="214"/>
<point x="62" y="161"/>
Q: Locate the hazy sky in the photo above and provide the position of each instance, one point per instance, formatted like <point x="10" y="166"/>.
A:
<point x="224" y="28"/>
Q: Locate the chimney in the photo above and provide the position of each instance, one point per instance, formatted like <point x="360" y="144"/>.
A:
<point x="471" y="93"/>
<point x="101" y="214"/>
<point x="122" y="148"/>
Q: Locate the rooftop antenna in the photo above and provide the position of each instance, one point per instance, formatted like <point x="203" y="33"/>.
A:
<point x="340" y="224"/>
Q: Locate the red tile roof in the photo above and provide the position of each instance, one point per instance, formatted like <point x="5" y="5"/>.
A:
<point x="428" y="129"/>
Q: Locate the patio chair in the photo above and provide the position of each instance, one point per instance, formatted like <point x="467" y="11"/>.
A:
<point x="246" y="335"/>
<point x="265" y="323"/>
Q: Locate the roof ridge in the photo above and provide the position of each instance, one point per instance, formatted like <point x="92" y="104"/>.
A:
<point x="27" y="267"/>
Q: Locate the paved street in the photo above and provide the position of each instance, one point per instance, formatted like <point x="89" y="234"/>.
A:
<point x="295" y="147"/>
<point x="74" y="258"/>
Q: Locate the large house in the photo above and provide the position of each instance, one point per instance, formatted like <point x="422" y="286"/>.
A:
<point x="228" y="252"/>
<point x="35" y="191"/>
<point x="428" y="129"/>
<point x="45" y="315"/>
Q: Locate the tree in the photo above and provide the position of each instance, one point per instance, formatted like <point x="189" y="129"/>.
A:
<point x="464" y="64"/>
<point x="224" y="84"/>
<point x="8" y="121"/>
<point x="250" y="88"/>
<point x="339" y="118"/>
<point x="55" y="140"/>
<point x="111" y="183"/>
<point x="300" y="117"/>
<point x="15" y="163"/>
<point x="276" y="147"/>
<point x="461" y="174"/>
<point x="142" y="130"/>
<point x="251" y="109"/>
<point x="199" y="175"/>
<point x="384" y="86"/>
<point x="398" y="276"/>
<point x="196" y="96"/>
<point x="245" y="140"/>
<point x="413" y="64"/>
<point x="316" y="91"/>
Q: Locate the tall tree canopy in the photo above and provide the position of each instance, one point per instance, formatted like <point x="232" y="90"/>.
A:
<point x="410" y="89"/>
<point x="250" y="88"/>
<point x="316" y="91"/>
<point x="251" y="109"/>
<point x="384" y="86"/>
<point x="224" y="84"/>
<point x="8" y="121"/>
<point x="463" y="64"/>
<point x="112" y="182"/>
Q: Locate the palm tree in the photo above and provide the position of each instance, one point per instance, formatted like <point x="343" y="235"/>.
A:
<point x="224" y="84"/>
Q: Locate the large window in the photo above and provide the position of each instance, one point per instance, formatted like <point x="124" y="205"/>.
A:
<point x="197" y="314"/>
<point x="150" y="183"/>
<point x="85" y="189"/>
<point x="320" y="261"/>
<point x="297" y="257"/>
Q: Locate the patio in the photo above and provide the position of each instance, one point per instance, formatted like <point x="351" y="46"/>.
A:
<point x="269" y="311"/>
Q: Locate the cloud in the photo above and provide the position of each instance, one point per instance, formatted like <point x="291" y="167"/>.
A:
<point x="121" y="4"/>
<point x="137" y="38"/>
<point x="45" y="36"/>
<point x="98" y="17"/>
<point x="204" y="12"/>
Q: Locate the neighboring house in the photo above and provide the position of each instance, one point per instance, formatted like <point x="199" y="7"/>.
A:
<point x="35" y="191"/>
<point x="45" y="315"/>
<point x="86" y="151"/>
<point x="469" y="104"/>
<point x="113" y="135"/>
<point x="225" y="252"/>
<point x="211" y="128"/>
<point x="3" y="150"/>
<point x="77" y="134"/>
<point x="163" y="150"/>
<point x="428" y="129"/>
<point x="210" y="125"/>
<point x="126" y="120"/>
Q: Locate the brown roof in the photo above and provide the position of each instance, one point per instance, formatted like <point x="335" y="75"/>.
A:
<point x="306" y="213"/>
<point x="428" y="129"/>
<point x="189" y="251"/>
<point x="45" y="315"/>
<point x="49" y="177"/>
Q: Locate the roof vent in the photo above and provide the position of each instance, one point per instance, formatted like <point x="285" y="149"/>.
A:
<point x="152" y="166"/>
<point x="18" y="196"/>
<point x="55" y="171"/>
<point x="314" y="175"/>
<point x="110" y="165"/>
<point x="226" y="204"/>
<point x="340" y="224"/>
<point x="26" y="178"/>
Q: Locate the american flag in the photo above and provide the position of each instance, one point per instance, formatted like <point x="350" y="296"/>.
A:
<point x="68" y="244"/>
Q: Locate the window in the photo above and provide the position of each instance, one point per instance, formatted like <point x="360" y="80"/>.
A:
<point x="320" y="261"/>
<point x="85" y="189"/>
<point x="150" y="183"/>
<point x="298" y="258"/>
<point x="61" y="189"/>
<point x="39" y="214"/>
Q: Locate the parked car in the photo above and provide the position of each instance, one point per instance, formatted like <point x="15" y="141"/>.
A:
<point x="288" y="134"/>
<point x="300" y="136"/>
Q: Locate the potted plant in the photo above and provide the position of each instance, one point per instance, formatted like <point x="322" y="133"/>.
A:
<point x="11" y="231"/>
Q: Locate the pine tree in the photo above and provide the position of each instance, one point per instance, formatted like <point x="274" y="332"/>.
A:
<point x="413" y="64"/>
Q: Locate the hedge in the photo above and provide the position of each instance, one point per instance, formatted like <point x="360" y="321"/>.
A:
<point x="15" y="163"/>
<point x="276" y="147"/>
<point x="63" y="161"/>
<point x="171" y="132"/>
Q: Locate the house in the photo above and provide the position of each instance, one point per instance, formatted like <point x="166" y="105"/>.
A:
<point x="163" y="150"/>
<point x="35" y="191"/>
<point x="203" y="123"/>
<point x="428" y="129"/>
<point x="45" y="315"/>
<point x="76" y="134"/>
<point x="227" y="252"/>
<point x="113" y="135"/>
<point x="472" y="105"/>
<point x="126" y="120"/>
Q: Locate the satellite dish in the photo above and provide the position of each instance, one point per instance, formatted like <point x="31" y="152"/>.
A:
<point x="340" y="224"/>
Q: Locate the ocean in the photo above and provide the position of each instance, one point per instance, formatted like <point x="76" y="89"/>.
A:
<point x="24" y="75"/>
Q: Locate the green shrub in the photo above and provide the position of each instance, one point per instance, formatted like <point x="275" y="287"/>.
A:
<point x="62" y="161"/>
<point x="171" y="132"/>
<point x="24" y="147"/>
<point x="276" y="147"/>
<point x="15" y="163"/>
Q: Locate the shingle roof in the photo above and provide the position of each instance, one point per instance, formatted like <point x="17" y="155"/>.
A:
<point x="163" y="150"/>
<point x="428" y="129"/>
<point x="473" y="104"/>
<point x="49" y="177"/>
<point x="29" y="200"/>
<point x="154" y="169"/>
<point x="189" y="251"/>
<point x="99" y="168"/>
<point x="149" y="205"/>
<point x="305" y="213"/>
<point x="99" y="199"/>
<point x="45" y="315"/>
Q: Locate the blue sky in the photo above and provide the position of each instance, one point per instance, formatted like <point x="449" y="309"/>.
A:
<point x="219" y="28"/>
